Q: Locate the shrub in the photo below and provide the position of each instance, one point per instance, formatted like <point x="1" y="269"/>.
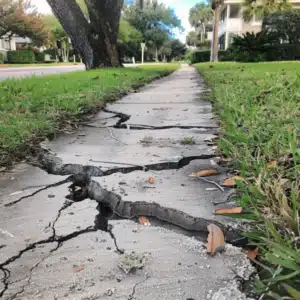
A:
<point x="52" y="52"/>
<point x="39" y="56"/>
<point x="1" y="58"/>
<point x="204" y="56"/>
<point x="200" y="56"/>
<point x="252" y="47"/>
<point x="20" y="57"/>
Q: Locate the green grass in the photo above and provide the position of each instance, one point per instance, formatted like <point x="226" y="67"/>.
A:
<point x="259" y="109"/>
<point x="36" y="107"/>
<point x="188" y="141"/>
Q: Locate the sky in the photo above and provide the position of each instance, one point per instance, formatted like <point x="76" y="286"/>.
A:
<point x="181" y="8"/>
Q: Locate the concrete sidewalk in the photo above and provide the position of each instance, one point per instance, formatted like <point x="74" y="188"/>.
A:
<point x="49" y="247"/>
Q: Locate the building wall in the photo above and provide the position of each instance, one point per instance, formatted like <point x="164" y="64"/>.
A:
<point x="232" y="23"/>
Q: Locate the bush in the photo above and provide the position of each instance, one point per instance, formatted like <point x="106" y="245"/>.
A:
<point x="204" y="56"/>
<point x="52" y="52"/>
<point x="20" y="57"/>
<point x="283" y="52"/>
<point x="39" y="57"/>
<point x="1" y="58"/>
<point x="200" y="56"/>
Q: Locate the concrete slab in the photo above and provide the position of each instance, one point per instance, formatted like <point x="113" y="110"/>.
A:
<point x="177" y="267"/>
<point x="171" y="189"/>
<point x="112" y="148"/>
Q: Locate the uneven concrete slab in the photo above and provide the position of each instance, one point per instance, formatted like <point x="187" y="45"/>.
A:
<point x="172" y="189"/>
<point x="177" y="267"/>
<point x="29" y="221"/>
<point x="112" y="148"/>
<point x="173" y="102"/>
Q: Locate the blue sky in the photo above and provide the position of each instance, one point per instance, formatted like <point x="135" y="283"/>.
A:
<point x="181" y="8"/>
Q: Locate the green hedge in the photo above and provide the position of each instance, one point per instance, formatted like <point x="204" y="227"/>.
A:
<point x="283" y="52"/>
<point x="39" y="57"/>
<point x="20" y="57"/>
<point x="204" y="56"/>
<point x="1" y="58"/>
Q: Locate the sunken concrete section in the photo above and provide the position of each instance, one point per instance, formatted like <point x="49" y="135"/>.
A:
<point x="69" y="225"/>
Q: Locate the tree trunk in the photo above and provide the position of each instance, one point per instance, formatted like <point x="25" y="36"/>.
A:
<point x="105" y="21"/>
<point x="156" y="54"/>
<point x="95" y="41"/>
<point x="215" y="45"/>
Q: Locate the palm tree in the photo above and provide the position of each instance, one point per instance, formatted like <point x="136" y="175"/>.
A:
<point x="200" y="15"/>
<point x="262" y="8"/>
<point x="217" y="7"/>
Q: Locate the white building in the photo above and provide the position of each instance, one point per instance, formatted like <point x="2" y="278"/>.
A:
<point x="232" y="23"/>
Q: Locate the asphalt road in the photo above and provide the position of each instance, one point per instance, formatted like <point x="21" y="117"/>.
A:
<point x="6" y="73"/>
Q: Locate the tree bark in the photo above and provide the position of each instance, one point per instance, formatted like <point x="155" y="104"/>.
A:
<point x="95" y="41"/>
<point x="105" y="21"/>
<point x="215" y="46"/>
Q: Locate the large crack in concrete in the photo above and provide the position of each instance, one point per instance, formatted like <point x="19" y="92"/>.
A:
<point x="123" y="118"/>
<point x="54" y="165"/>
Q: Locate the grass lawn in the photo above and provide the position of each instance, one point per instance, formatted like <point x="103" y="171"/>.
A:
<point x="259" y="108"/>
<point x="33" y="108"/>
<point x="37" y="65"/>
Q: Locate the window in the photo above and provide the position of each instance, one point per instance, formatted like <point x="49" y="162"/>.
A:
<point x="234" y="11"/>
<point x="224" y="14"/>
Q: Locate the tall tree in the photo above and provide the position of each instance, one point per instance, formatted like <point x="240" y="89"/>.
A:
<point x="285" y="25"/>
<point x="155" y="21"/>
<point x="96" y="39"/>
<point x="20" y="17"/>
<point x="262" y="8"/>
<point x="217" y="7"/>
<point x="200" y="16"/>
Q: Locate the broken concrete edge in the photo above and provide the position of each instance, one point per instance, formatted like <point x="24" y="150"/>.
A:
<point x="32" y="146"/>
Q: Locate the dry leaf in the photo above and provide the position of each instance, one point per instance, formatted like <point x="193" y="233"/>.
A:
<point x="77" y="269"/>
<point x="144" y="221"/>
<point x="232" y="181"/>
<point x="215" y="240"/>
<point x="204" y="173"/>
<point x="252" y="254"/>
<point x="151" y="180"/>
<point x="229" y="210"/>
<point x="272" y="164"/>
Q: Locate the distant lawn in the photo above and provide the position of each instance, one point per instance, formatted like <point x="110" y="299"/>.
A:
<point x="33" y="108"/>
<point x="259" y="108"/>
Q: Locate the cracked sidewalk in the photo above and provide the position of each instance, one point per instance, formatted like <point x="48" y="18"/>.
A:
<point x="59" y="247"/>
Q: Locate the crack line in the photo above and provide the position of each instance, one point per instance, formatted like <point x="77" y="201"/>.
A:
<point x="131" y="296"/>
<point x="69" y="179"/>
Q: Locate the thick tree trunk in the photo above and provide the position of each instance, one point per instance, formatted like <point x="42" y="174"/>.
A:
<point x="95" y="41"/>
<point x="215" y="45"/>
<point x="105" y="21"/>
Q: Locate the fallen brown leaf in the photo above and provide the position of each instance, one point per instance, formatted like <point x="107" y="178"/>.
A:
<point x="215" y="240"/>
<point x="272" y="164"/>
<point x="252" y="254"/>
<point x="151" y="180"/>
<point x="229" y="210"/>
<point x="232" y="181"/>
<point x="77" y="269"/>
<point x="204" y="173"/>
<point x="144" y="221"/>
